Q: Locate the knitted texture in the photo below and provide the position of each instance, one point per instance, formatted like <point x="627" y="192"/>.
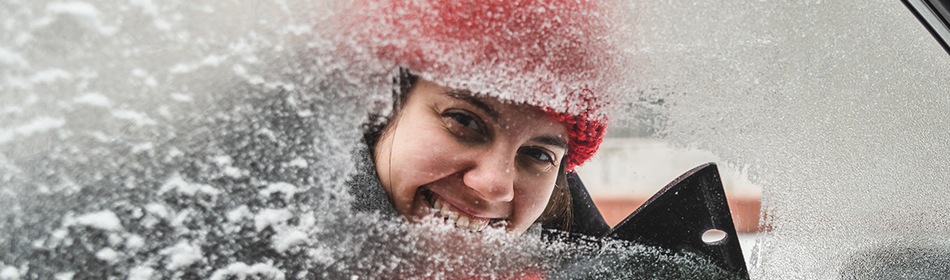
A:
<point x="585" y="133"/>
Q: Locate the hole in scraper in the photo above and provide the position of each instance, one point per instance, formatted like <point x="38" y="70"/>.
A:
<point x="714" y="236"/>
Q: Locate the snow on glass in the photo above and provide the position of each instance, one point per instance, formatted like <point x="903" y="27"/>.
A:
<point x="214" y="139"/>
<point x="839" y="109"/>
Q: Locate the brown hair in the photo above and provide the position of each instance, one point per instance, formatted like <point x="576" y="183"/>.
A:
<point x="558" y="209"/>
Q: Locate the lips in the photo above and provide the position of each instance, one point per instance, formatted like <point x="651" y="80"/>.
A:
<point x="455" y="216"/>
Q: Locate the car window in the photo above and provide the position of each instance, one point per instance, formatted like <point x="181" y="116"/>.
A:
<point x="153" y="139"/>
<point x="837" y="108"/>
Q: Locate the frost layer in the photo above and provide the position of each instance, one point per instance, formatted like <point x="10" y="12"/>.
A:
<point x="209" y="139"/>
<point x="840" y="109"/>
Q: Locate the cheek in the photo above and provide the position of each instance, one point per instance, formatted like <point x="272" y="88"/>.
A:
<point x="416" y="157"/>
<point x="421" y="156"/>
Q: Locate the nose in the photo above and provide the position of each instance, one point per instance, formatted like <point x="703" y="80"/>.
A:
<point x="492" y="177"/>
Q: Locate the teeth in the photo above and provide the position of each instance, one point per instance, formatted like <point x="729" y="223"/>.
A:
<point x="478" y="225"/>
<point x="460" y="220"/>
<point x="448" y="213"/>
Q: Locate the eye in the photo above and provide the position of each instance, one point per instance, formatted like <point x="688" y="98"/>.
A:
<point x="464" y="124"/>
<point x="537" y="158"/>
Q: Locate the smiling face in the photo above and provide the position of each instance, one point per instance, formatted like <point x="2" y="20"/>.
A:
<point x="473" y="160"/>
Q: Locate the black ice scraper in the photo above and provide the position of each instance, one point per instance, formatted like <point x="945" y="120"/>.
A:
<point x="678" y="215"/>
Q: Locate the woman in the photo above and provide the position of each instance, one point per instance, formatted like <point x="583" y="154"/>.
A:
<point x="496" y="103"/>
<point x="473" y="160"/>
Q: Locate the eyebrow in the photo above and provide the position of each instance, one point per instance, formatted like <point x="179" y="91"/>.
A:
<point x="551" y="140"/>
<point x="467" y="96"/>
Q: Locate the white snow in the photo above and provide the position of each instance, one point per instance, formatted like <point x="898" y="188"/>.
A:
<point x="142" y="147"/>
<point x="305" y="113"/>
<point x="181" y="255"/>
<point x="59" y="233"/>
<point x="10" y="58"/>
<point x="165" y="112"/>
<point x="174" y="152"/>
<point x="161" y="24"/>
<point x="104" y="220"/>
<point x="239" y="69"/>
<point x="108" y="255"/>
<point x="75" y="8"/>
<point x="255" y="80"/>
<point x="94" y="99"/>
<point x="175" y="182"/>
<point x="115" y="239"/>
<point x="300" y="29"/>
<point x="147" y="6"/>
<point x="271" y="217"/>
<point x="224" y="162"/>
<point x="134" y="242"/>
<point x="9" y="273"/>
<point x="179" y="220"/>
<point x="64" y="275"/>
<point x="157" y="209"/>
<point x="84" y="13"/>
<point x="298" y="162"/>
<point x="36" y="125"/>
<point x="288" y="190"/>
<point x="286" y="240"/>
<point x="214" y="60"/>
<point x="209" y="61"/>
<point x="141" y="273"/>
<point x="148" y="79"/>
<point x="233" y="172"/>
<point x="238" y="214"/>
<point x="50" y="75"/>
<point x="138" y="118"/>
<point x="157" y="213"/>
<point x="241" y="271"/>
<point x="180" y="97"/>
<point x="182" y="68"/>
<point x="267" y="133"/>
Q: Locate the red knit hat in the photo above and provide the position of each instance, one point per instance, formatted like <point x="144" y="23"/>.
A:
<point x="553" y="54"/>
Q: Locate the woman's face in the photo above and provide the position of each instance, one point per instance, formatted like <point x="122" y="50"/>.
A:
<point x="473" y="160"/>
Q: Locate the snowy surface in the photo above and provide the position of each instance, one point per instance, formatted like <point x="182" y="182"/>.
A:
<point x="210" y="139"/>
<point x="839" y="111"/>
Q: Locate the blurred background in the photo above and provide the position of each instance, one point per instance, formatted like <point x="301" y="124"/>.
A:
<point x="627" y="171"/>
